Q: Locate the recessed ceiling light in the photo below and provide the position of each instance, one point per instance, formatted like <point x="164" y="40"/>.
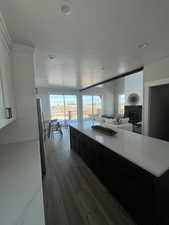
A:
<point x="65" y="8"/>
<point x="143" y="45"/>
<point x="51" y="57"/>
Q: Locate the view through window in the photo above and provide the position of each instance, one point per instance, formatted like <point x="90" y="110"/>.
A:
<point x="121" y="104"/>
<point x="63" y="107"/>
<point x="92" y="106"/>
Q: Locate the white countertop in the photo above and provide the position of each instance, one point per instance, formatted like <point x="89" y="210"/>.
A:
<point x="148" y="153"/>
<point x="21" y="198"/>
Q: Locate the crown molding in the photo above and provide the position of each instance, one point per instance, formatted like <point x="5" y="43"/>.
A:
<point x="22" y="48"/>
<point x="4" y="35"/>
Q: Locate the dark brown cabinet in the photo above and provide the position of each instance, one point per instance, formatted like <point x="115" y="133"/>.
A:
<point x="87" y="148"/>
<point x="94" y="157"/>
<point x="132" y="186"/>
<point x="74" y="140"/>
<point x="142" y="194"/>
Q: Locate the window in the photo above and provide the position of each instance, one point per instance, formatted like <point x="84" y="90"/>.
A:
<point x="63" y="107"/>
<point x="57" y="107"/>
<point x="87" y="107"/>
<point x="121" y="104"/>
<point x="97" y="105"/>
<point x="70" y="107"/>
<point x="92" y="105"/>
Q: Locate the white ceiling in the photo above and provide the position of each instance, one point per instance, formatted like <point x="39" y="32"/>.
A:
<point x="97" y="41"/>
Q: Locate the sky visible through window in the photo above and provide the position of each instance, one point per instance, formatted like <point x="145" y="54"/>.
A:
<point x="63" y="107"/>
<point x="122" y="99"/>
<point x="87" y="100"/>
<point x="121" y="104"/>
<point x="58" y="100"/>
<point x="92" y="105"/>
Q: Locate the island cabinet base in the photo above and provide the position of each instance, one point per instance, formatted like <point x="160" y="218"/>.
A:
<point x="143" y="195"/>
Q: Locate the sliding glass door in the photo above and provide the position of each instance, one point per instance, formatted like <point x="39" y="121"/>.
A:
<point x="87" y="107"/>
<point x="63" y="107"/>
<point x="70" y="107"/>
<point x="92" y="106"/>
<point x="57" y="107"/>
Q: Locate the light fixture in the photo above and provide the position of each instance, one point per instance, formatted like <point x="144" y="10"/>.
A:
<point x="143" y="45"/>
<point x="65" y="7"/>
<point x="51" y="57"/>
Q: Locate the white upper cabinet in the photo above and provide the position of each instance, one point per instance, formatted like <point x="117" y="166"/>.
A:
<point x="7" y="106"/>
<point x="2" y="112"/>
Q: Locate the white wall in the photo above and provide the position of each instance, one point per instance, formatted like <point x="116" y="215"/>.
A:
<point x="25" y="126"/>
<point x="119" y="89"/>
<point x="157" y="71"/>
<point x="127" y="85"/>
<point x="108" y="103"/>
<point x="134" y="84"/>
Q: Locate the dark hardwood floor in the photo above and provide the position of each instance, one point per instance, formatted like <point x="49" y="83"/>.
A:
<point x="72" y="193"/>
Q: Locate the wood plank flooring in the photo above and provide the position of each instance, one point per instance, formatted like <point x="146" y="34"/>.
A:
<point x="72" y="193"/>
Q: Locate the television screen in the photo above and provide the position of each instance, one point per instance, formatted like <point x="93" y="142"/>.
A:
<point x="134" y="113"/>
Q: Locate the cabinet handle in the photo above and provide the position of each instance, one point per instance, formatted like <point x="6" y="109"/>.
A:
<point x="8" y="112"/>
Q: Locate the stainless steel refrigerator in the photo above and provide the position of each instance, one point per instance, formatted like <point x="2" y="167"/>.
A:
<point x="41" y="136"/>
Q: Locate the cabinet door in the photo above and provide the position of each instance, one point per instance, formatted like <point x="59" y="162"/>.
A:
<point x="74" y="139"/>
<point x="6" y="83"/>
<point x="90" y="153"/>
<point x="110" y="174"/>
<point x="84" y="148"/>
<point x="132" y="186"/>
<point x="95" y="160"/>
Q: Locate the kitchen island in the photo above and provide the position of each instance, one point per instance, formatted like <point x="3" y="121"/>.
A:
<point x="135" y="169"/>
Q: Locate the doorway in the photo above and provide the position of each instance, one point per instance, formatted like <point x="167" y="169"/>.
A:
<point x="159" y="112"/>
